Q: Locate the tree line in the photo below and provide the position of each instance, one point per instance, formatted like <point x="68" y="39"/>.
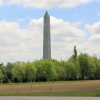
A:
<point x="77" y="67"/>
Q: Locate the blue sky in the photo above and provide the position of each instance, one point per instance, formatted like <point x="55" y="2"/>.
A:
<point x="79" y="20"/>
<point x="87" y="13"/>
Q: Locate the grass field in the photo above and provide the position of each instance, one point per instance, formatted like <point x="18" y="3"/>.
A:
<point x="64" y="88"/>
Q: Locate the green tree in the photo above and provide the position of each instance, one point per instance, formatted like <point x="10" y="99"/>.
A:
<point x="60" y="71"/>
<point x="45" y="70"/>
<point x="18" y="72"/>
<point x="8" y="71"/>
<point x="3" y="70"/>
<point x="70" y="70"/>
<point x="1" y="76"/>
<point x="97" y="72"/>
<point x="83" y="60"/>
<point x="30" y="72"/>
<point x="75" y="53"/>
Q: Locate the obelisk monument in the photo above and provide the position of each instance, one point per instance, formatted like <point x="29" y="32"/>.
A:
<point x="46" y="37"/>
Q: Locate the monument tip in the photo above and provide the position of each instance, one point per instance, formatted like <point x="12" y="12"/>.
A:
<point x="46" y="13"/>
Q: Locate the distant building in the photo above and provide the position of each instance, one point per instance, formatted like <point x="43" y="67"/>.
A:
<point x="46" y="37"/>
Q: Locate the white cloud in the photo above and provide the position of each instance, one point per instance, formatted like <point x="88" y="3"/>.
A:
<point x="65" y="28"/>
<point x="26" y="44"/>
<point x="48" y="3"/>
<point x="92" y="45"/>
<point x="98" y="13"/>
<point x="95" y="38"/>
<point x="95" y="28"/>
<point x="0" y="2"/>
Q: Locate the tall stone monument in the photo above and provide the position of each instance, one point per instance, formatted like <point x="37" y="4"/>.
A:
<point x="46" y="37"/>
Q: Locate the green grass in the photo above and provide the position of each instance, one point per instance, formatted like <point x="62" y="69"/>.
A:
<point x="54" y="82"/>
<point x="80" y="94"/>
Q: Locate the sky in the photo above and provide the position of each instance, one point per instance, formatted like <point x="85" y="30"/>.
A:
<point x="73" y="23"/>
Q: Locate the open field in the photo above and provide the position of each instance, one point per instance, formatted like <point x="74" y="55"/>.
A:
<point x="68" y="88"/>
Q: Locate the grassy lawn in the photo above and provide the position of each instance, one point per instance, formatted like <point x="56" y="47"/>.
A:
<point x="80" y="94"/>
<point x="61" y="88"/>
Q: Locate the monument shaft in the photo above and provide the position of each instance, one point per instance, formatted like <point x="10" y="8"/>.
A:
<point x="46" y="37"/>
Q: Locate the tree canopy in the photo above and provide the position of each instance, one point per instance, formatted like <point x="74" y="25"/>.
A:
<point x="77" y="67"/>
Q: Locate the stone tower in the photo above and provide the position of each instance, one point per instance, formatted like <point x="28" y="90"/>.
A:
<point x="46" y="37"/>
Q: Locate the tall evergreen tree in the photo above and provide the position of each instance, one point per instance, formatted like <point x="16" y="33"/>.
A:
<point x="75" y="53"/>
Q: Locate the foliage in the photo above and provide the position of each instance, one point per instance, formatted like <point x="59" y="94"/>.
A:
<point x="77" y="67"/>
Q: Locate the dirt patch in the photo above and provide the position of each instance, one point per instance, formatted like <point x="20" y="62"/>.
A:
<point x="53" y="87"/>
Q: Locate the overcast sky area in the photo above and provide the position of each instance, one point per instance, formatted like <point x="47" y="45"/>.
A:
<point x="73" y="23"/>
